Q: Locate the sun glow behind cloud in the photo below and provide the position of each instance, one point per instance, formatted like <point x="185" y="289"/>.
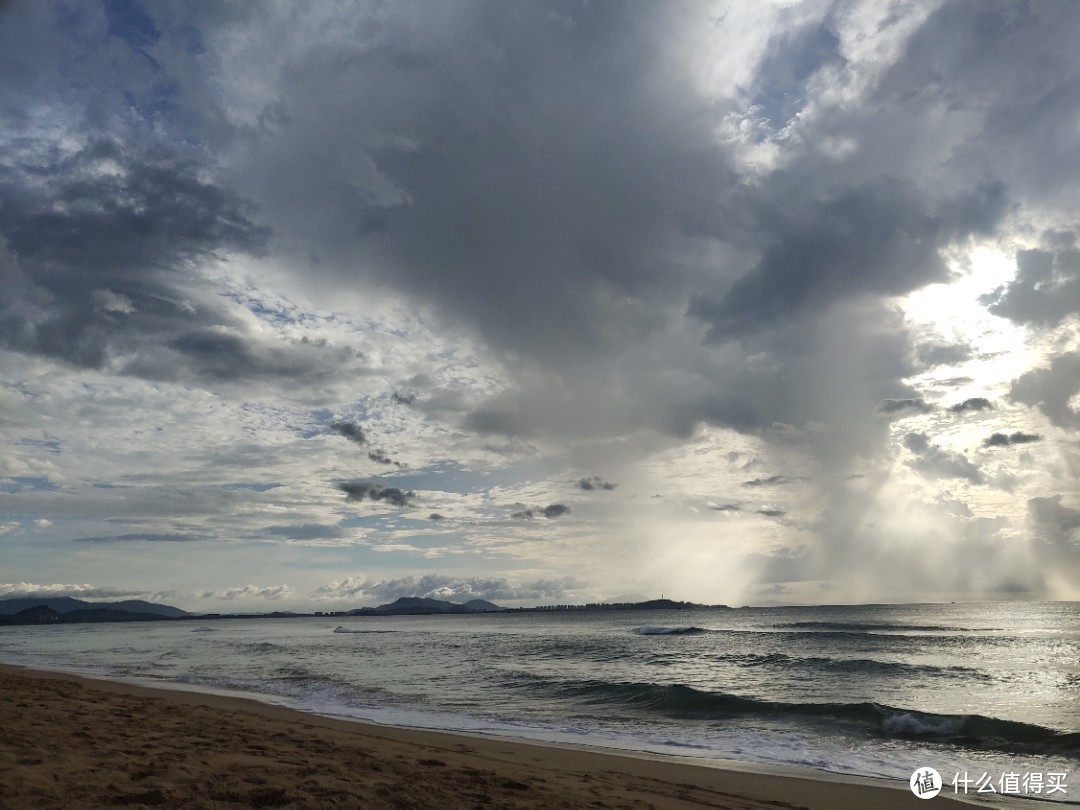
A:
<point x="998" y="350"/>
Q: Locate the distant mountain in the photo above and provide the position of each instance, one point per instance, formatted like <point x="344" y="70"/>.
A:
<point x="421" y="606"/>
<point x="65" y="604"/>
<point x="482" y="606"/>
<point x="42" y="614"/>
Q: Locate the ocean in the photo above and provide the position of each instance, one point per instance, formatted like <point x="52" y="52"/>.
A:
<point x="983" y="692"/>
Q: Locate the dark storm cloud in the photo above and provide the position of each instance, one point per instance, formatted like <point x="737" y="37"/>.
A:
<point x="901" y="406"/>
<point x="511" y="170"/>
<point x="379" y="457"/>
<point x="113" y="213"/>
<point x="977" y="56"/>
<point x="350" y="430"/>
<point x="917" y="442"/>
<point x="436" y="516"/>
<point x="972" y="404"/>
<point x="524" y="514"/>
<point x="594" y="483"/>
<point x="1051" y="389"/>
<point x="98" y="246"/>
<point x="1005" y="439"/>
<point x="369" y="490"/>
<point x="1053" y="521"/>
<point x="1046" y="289"/>
<point x="403" y="399"/>
<point x="880" y="239"/>
<point x="727" y="507"/>
<point x="562" y="191"/>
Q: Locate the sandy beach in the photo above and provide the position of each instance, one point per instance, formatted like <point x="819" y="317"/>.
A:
<point x="67" y="741"/>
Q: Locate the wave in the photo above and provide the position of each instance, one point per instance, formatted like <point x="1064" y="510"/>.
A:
<point x="341" y="629"/>
<point x="660" y="630"/>
<point x="685" y="702"/>
<point x="865" y="627"/>
<point x="869" y="666"/>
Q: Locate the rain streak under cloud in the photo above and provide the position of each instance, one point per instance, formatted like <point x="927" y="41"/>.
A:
<point x="544" y="302"/>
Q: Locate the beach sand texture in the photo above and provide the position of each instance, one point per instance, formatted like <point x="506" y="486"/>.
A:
<point x="67" y="742"/>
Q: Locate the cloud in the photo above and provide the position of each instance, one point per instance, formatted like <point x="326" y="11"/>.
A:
<point x="144" y="537"/>
<point x="250" y="593"/>
<point x="350" y="430"/>
<point x="489" y="421"/>
<point x="306" y="531"/>
<point x="1004" y="440"/>
<point x="594" y="483"/>
<point x="634" y="239"/>
<point x="379" y="457"/>
<point x="1052" y="389"/>
<point x="19" y="590"/>
<point x="942" y="354"/>
<point x="901" y="406"/>
<point x="727" y="507"/>
<point x="1046" y="289"/>
<point x="936" y="463"/>
<point x="118" y="227"/>
<point x="550" y="511"/>
<point x="369" y="490"/>
<point x="448" y="588"/>
<point x="774" y="513"/>
<point x="772" y="480"/>
<point x="1054" y="522"/>
<point x="917" y="442"/>
<point x="817" y="249"/>
<point x="972" y="404"/>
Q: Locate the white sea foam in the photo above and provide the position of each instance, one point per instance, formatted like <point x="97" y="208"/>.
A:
<point x="906" y="723"/>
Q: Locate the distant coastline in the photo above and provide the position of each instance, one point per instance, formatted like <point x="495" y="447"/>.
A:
<point x="51" y="611"/>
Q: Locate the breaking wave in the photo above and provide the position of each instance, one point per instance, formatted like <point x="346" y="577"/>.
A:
<point x="341" y="629"/>
<point x="661" y="630"/>
<point x="685" y="702"/>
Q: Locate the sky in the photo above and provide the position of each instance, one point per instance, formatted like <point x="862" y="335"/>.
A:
<point x="309" y="306"/>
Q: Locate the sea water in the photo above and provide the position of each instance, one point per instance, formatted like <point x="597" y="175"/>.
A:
<point x="973" y="689"/>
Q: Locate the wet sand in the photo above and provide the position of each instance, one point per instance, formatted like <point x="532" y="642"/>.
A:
<point x="67" y="742"/>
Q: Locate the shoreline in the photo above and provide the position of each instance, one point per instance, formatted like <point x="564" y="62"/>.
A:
<point x="179" y="747"/>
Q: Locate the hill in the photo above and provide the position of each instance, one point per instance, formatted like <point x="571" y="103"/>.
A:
<point x="65" y="604"/>
<point x="421" y="606"/>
